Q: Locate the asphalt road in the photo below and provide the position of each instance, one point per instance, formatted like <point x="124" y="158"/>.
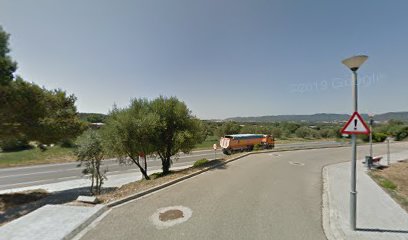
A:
<point x="262" y="196"/>
<point x="51" y="173"/>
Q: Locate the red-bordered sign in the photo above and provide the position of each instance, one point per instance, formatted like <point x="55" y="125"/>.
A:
<point x="355" y="125"/>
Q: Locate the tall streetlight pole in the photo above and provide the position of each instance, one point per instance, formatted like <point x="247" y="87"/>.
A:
<point x="354" y="63"/>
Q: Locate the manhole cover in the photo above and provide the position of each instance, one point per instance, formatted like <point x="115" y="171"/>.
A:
<point x="170" y="216"/>
<point x="296" y="163"/>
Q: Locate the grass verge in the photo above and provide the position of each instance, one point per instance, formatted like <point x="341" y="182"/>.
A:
<point x="394" y="180"/>
<point x="33" y="156"/>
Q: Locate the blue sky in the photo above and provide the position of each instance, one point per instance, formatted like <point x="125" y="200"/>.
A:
<point x="222" y="58"/>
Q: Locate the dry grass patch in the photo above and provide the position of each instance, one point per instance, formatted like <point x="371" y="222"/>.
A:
<point x="11" y="200"/>
<point x="394" y="180"/>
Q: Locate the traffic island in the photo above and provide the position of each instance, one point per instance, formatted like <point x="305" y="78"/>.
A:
<point x="378" y="215"/>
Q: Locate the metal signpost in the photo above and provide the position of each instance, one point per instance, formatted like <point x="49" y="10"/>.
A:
<point x="371" y="134"/>
<point x="215" y="151"/>
<point x="388" y="151"/>
<point x="353" y="64"/>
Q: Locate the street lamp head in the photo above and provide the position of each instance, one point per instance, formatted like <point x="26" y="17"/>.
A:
<point x="355" y="62"/>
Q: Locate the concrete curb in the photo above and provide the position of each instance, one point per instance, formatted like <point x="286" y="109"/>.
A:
<point x="330" y="229"/>
<point x="86" y="223"/>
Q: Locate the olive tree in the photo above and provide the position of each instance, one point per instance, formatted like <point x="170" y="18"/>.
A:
<point x="178" y="130"/>
<point x="90" y="153"/>
<point x="129" y="133"/>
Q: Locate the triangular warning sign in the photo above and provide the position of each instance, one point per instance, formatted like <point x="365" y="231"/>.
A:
<point x="355" y="125"/>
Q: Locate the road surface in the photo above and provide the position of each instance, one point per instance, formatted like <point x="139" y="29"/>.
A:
<point x="52" y="173"/>
<point x="263" y="196"/>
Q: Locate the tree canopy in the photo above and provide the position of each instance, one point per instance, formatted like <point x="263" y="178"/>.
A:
<point x="130" y="133"/>
<point x="179" y="130"/>
<point x="7" y="65"/>
<point x="30" y="112"/>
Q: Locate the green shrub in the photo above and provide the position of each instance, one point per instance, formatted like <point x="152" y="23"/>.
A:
<point x="200" y="162"/>
<point x="379" y="137"/>
<point x="401" y="134"/>
<point x="303" y="132"/>
<point x="257" y="147"/>
<point x="67" y="143"/>
<point x="156" y="175"/>
<point x="12" y="145"/>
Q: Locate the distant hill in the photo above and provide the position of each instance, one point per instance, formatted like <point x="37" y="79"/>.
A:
<point x="320" y="117"/>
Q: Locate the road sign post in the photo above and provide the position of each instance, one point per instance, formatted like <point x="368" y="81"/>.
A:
<point x="371" y="134"/>
<point x="388" y="151"/>
<point x="215" y="151"/>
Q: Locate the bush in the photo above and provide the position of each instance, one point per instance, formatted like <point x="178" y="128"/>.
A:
<point x="90" y="153"/>
<point x="67" y="143"/>
<point x="379" y="137"/>
<point x="200" y="162"/>
<point x="401" y="134"/>
<point x="258" y="147"/>
<point x="12" y="145"/>
<point x="303" y="132"/>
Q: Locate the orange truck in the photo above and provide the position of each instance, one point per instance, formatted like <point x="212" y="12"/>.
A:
<point x="245" y="142"/>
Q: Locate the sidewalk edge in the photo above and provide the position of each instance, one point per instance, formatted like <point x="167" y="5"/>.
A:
<point x="331" y="230"/>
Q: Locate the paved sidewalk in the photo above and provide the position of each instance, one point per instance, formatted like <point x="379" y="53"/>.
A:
<point x="51" y="222"/>
<point x="57" y="222"/>
<point x="378" y="215"/>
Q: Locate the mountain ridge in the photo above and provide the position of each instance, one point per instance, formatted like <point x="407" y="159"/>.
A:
<point x="319" y="117"/>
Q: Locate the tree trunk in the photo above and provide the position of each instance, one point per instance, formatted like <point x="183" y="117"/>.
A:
<point x="166" y="165"/>
<point x="93" y="177"/>
<point x="98" y="178"/>
<point x="144" y="174"/>
<point x="142" y="170"/>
